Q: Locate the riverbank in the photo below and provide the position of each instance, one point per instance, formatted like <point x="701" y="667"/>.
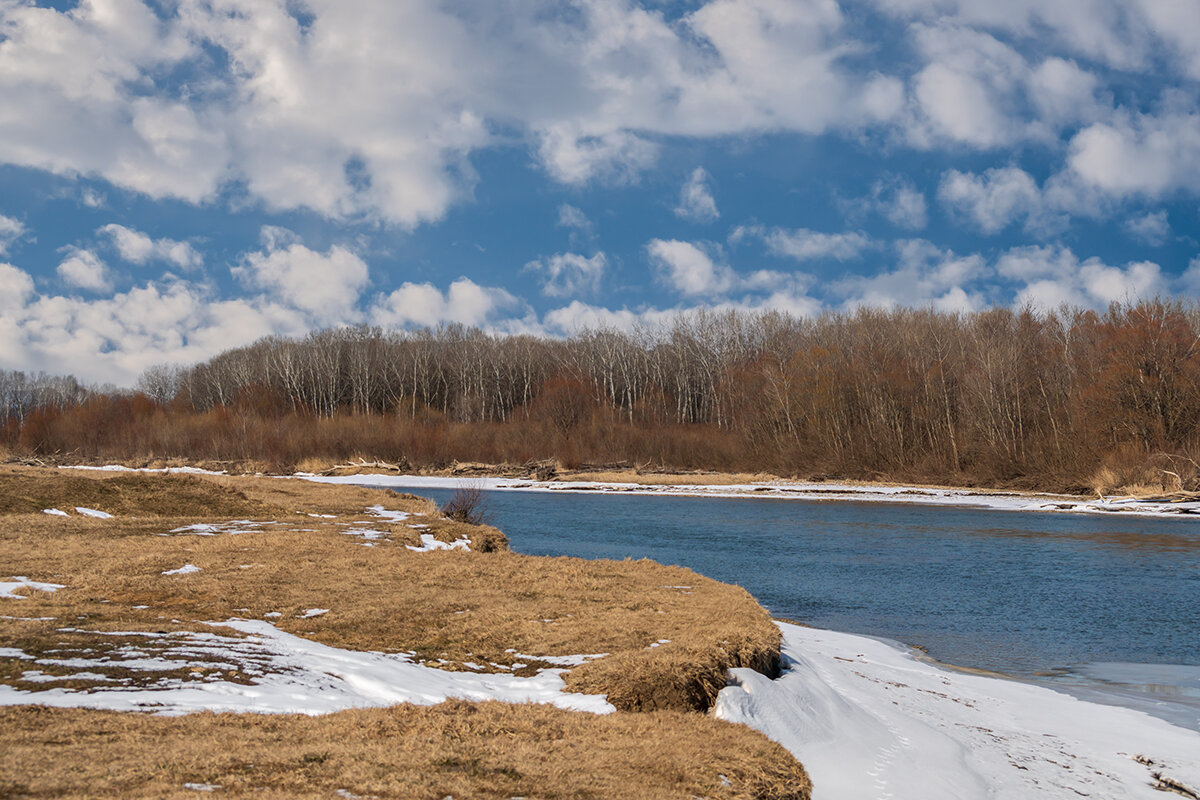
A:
<point x="789" y="490"/>
<point x="209" y="597"/>
<point x="870" y="720"/>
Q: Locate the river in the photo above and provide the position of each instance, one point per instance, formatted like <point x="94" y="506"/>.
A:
<point x="1104" y="606"/>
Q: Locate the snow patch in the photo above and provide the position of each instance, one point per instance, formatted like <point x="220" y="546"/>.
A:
<point x="186" y="569"/>
<point x="869" y="720"/>
<point x="314" y="612"/>
<point x="91" y="512"/>
<point x="9" y="588"/>
<point x="429" y="544"/>
<point x="560" y="661"/>
<point x="55" y="512"/>
<point x="289" y="674"/>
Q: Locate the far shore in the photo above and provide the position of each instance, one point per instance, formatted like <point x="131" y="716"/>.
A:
<point x="763" y="486"/>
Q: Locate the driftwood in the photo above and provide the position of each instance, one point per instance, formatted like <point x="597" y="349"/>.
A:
<point x="362" y="463"/>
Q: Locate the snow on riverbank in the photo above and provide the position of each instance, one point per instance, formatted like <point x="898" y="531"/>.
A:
<point x="869" y="720"/>
<point x="999" y="501"/>
<point x="282" y="673"/>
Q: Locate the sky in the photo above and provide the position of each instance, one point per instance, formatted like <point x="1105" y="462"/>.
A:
<point x="182" y="177"/>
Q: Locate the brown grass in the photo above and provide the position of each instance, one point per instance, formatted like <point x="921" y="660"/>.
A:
<point x="454" y="749"/>
<point x="450" y="606"/>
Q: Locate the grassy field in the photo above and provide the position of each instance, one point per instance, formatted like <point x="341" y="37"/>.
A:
<point x="669" y="633"/>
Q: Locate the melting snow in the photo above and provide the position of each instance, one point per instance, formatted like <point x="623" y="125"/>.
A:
<point x="428" y="544"/>
<point x="9" y="588"/>
<point x="868" y="720"/>
<point x="55" y="512"/>
<point x="213" y="528"/>
<point x="561" y="661"/>
<point x="314" y="612"/>
<point x="91" y="512"/>
<point x="390" y="516"/>
<point x="289" y="674"/>
<point x="186" y="569"/>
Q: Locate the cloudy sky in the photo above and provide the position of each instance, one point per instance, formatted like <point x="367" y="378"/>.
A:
<point x="183" y="176"/>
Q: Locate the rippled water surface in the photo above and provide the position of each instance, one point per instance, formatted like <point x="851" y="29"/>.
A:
<point x="1027" y="594"/>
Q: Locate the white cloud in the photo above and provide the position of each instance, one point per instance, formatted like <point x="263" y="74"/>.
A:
<point x="423" y="304"/>
<point x="15" y="288"/>
<point x="136" y="247"/>
<point x="571" y="217"/>
<point x="803" y="244"/>
<point x="570" y="274"/>
<point x="1052" y="276"/>
<point x="688" y="269"/>
<point x="1190" y="279"/>
<point x="900" y="202"/>
<point x="696" y="202"/>
<point x="924" y="275"/>
<point x="10" y="230"/>
<point x="324" y="285"/>
<point x="83" y="269"/>
<point x="1139" y="154"/>
<point x="384" y="128"/>
<point x="114" y="339"/>
<point x="1152" y="229"/>
<point x="994" y="200"/>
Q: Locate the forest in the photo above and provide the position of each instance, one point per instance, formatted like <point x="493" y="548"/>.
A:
<point x="1069" y="400"/>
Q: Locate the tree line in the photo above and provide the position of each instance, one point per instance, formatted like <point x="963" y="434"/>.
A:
<point x="1002" y="396"/>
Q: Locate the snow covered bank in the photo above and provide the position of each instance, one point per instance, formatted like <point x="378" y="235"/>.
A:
<point x="280" y="673"/>
<point x="999" y="501"/>
<point x="869" y="721"/>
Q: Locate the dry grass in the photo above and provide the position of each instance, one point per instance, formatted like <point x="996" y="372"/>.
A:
<point x="451" y="606"/>
<point x="455" y="749"/>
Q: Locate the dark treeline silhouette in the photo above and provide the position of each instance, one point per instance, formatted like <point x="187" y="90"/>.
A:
<point x="1062" y="400"/>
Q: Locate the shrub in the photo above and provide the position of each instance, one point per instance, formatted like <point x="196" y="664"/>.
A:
<point x="468" y="504"/>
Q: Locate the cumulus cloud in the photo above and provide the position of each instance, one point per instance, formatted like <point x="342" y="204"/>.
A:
<point x="1152" y="229"/>
<point x="136" y="247"/>
<point x="688" y="269"/>
<point x="696" y="202"/>
<point x="569" y="274"/>
<point x="1052" y="276"/>
<point x="424" y="305"/>
<point x="324" y="285"/>
<point x="10" y="230"/>
<point x="803" y="244"/>
<point x="83" y="269"/>
<point x="1148" y="155"/>
<point x="924" y="275"/>
<point x="994" y="200"/>
<point x="113" y="339"/>
<point x="897" y="200"/>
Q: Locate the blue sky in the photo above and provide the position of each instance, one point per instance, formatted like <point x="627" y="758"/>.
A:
<point x="181" y="177"/>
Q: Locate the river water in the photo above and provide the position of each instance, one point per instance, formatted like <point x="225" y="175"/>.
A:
<point x="1107" y="607"/>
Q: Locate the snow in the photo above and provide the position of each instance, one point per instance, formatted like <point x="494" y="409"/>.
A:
<point x="202" y="787"/>
<point x="796" y="490"/>
<point x="186" y="569"/>
<point x="314" y="612"/>
<point x="9" y="588"/>
<point x="232" y="527"/>
<point x="163" y="470"/>
<point x="429" y="544"/>
<point x="289" y="674"/>
<point x="13" y="652"/>
<point x="55" y="512"/>
<point x="561" y="661"/>
<point x="91" y="512"/>
<point x="869" y="720"/>
<point x="389" y="516"/>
